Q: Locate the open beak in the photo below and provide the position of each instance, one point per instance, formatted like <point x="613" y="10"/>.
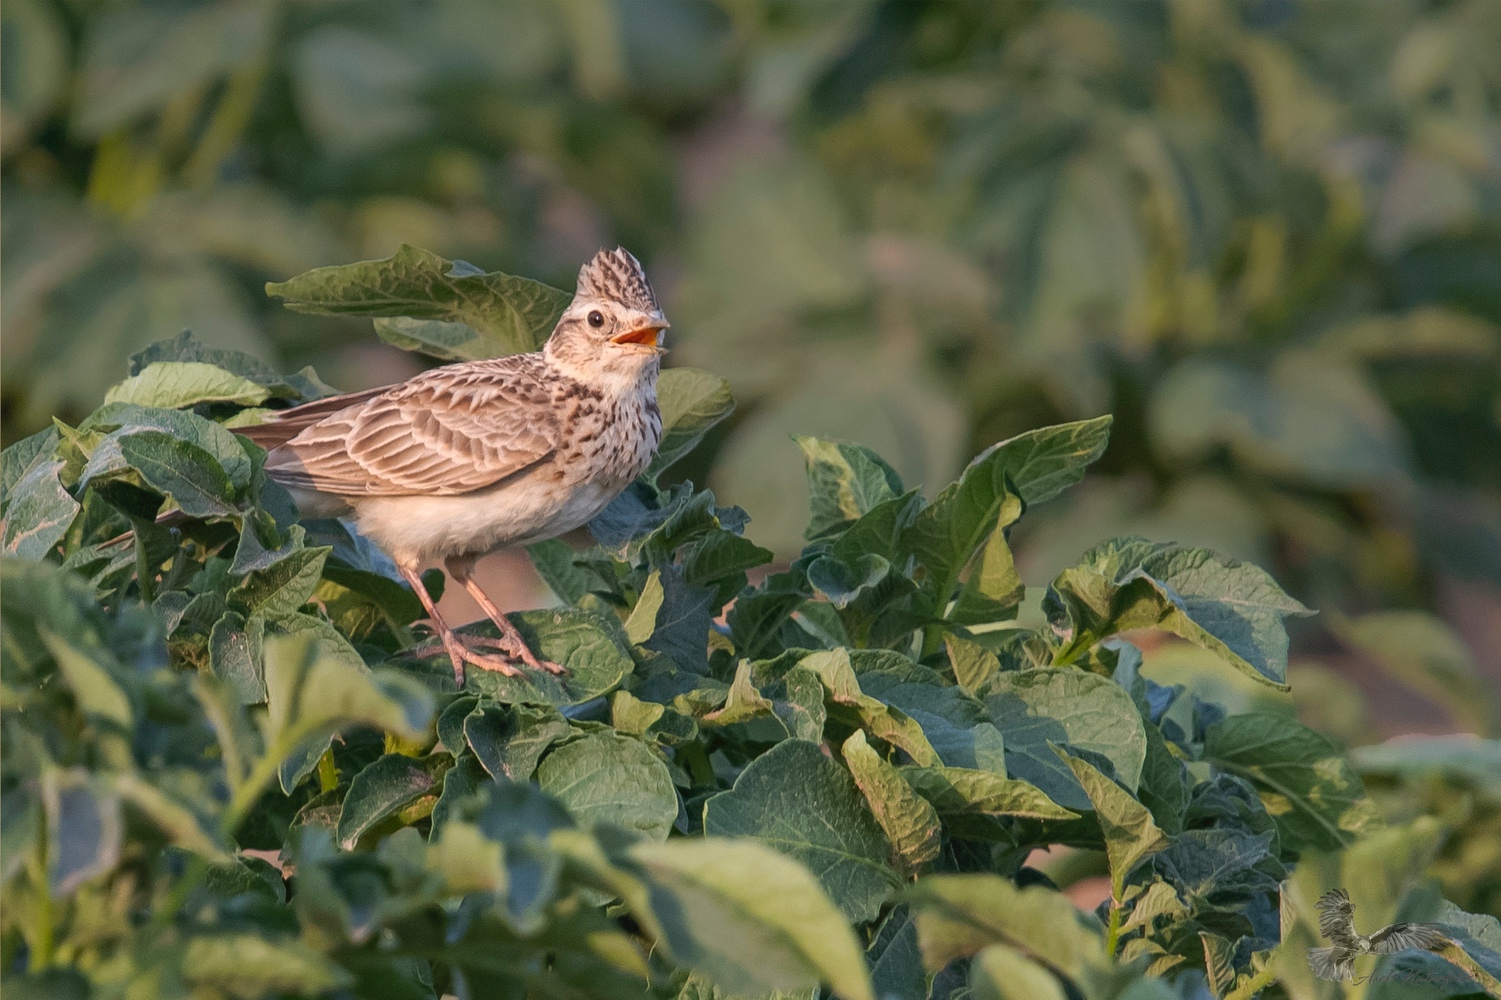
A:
<point x="649" y="335"/>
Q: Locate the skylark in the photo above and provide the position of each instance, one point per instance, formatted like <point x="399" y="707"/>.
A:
<point x="1337" y="923"/>
<point x="468" y="458"/>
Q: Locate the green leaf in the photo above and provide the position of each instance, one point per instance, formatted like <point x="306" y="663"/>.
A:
<point x="1307" y="785"/>
<point x="1064" y="705"/>
<point x="692" y="402"/>
<point x="181" y="471"/>
<point x="175" y="384"/>
<point x="1000" y="972"/>
<point x="187" y="348"/>
<point x="553" y="560"/>
<point x="248" y="965"/>
<point x="1230" y="608"/>
<point x="845" y="482"/>
<point x="121" y="419"/>
<point x="38" y="512"/>
<point x="808" y="807"/>
<point x="973" y="664"/>
<point x="283" y="587"/>
<point x="960" y="915"/>
<point x="586" y="646"/>
<point x="21" y="457"/>
<point x="752" y="919"/>
<point x="883" y="721"/>
<point x="382" y="789"/>
<point x="175" y="819"/>
<point x="906" y="817"/>
<point x="509" y="742"/>
<point x="1130" y="833"/>
<point x="612" y="779"/>
<point x="1043" y="463"/>
<point x="971" y="802"/>
<point x="511" y="314"/>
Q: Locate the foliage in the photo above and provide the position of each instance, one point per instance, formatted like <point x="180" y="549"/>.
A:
<point x="230" y="771"/>
<point x="1264" y="235"/>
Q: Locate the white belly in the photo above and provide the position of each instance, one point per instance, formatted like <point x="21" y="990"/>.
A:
<point x="413" y="529"/>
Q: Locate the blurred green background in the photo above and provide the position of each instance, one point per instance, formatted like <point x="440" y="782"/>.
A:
<point x="1266" y="234"/>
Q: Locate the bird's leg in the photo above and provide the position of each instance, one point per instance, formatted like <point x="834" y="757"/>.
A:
<point x="461" y="568"/>
<point x="452" y="644"/>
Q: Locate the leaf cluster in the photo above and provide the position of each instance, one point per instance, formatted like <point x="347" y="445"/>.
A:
<point x="230" y="769"/>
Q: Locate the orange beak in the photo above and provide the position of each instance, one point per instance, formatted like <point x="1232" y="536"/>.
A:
<point x="647" y="336"/>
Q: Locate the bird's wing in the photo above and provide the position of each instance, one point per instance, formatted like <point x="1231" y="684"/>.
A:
<point x="448" y="431"/>
<point x="1337" y="918"/>
<point x="283" y="425"/>
<point x="1400" y="937"/>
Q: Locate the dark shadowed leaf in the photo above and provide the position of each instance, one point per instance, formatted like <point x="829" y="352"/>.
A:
<point x="382" y="789"/>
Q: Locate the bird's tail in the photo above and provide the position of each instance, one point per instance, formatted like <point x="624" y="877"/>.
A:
<point x="1325" y="964"/>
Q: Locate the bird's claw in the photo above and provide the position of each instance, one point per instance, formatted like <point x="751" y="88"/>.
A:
<point x="518" y="651"/>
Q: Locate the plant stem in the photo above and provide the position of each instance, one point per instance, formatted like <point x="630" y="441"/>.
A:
<point x="41" y="946"/>
<point x="1113" y="931"/>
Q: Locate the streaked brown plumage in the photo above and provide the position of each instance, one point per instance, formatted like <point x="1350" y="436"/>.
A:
<point x="467" y="458"/>
<point x="1337" y="923"/>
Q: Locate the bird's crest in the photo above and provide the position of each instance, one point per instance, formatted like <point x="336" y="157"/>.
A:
<point x="617" y="276"/>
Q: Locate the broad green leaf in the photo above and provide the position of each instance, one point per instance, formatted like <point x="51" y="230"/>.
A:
<point x="1065" y="706"/>
<point x="752" y="919"/>
<point x="1307" y="785"/>
<point x="511" y="314"/>
<point x="1016" y="473"/>
<point x="284" y="587"/>
<point x="906" y="817"/>
<point x="181" y="471"/>
<point x="960" y="915"/>
<point x="895" y="960"/>
<point x="21" y="457"/>
<point x="127" y="418"/>
<point x="553" y="560"/>
<point x="185" y="347"/>
<point x="611" y="779"/>
<point x="38" y="512"/>
<point x="509" y="742"/>
<point x="845" y="482"/>
<point x="884" y="722"/>
<point x="1130" y="833"/>
<point x="585" y="645"/>
<point x="973" y="664"/>
<point x="692" y="402"/>
<point x="1000" y="972"/>
<point x="971" y="802"/>
<point x="384" y="788"/>
<point x="251" y="965"/>
<point x="1164" y="787"/>
<point x="174" y="384"/>
<point x="436" y="338"/>
<point x="808" y="807"/>
<point x="1230" y="608"/>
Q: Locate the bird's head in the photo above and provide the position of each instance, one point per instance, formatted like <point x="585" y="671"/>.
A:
<point x="612" y="330"/>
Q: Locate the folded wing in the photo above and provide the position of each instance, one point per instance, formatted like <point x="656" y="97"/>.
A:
<point x="449" y="431"/>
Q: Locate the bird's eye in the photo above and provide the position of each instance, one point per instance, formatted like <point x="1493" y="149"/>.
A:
<point x="596" y="318"/>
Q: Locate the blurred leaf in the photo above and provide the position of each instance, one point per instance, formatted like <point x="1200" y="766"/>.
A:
<point x="1424" y="653"/>
<point x="1000" y="972"/>
<point x="751" y="918"/>
<point x="248" y="965"/>
<point x="510" y="314"/>
<point x="84" y="828"/>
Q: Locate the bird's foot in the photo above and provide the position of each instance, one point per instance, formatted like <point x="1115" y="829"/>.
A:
<point x="517" y="649"/>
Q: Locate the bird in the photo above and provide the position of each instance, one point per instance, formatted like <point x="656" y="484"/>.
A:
<point x="1337" y="923"/>
<point x="464" y="459"/>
